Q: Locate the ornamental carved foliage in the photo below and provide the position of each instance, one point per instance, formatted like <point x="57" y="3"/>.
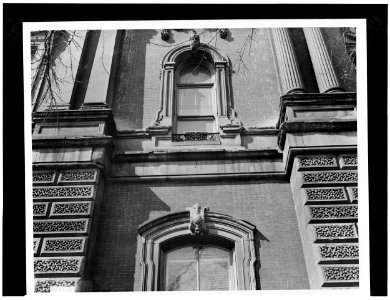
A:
<point x="58" y="192"/>
<point x="195" y="136"/>
<point x="57" y="265"/>
<point x="39" y="209"/>
<point x="60" y="226"/>
<point x="82" y="208"/>
<point x="43" y="177"/>
<point x="343" y="251"/>
<point x="333" y="212"/>
<point x="64" y="245"/>
<point x="324" y="177"/>
<point x="44" y="285"/>
<point x="75" y="176"/>
<point x="336" y="231"/>
<point x="341" y="273"/>
<point x="349" y="160"/>
<point x="197" y="222"/>
<point x="318" y="161"/>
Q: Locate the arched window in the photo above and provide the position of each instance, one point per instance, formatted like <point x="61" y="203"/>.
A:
<point x="174" y="259"/>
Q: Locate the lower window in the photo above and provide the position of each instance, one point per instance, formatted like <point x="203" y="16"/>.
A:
<point x="198" y="268"/>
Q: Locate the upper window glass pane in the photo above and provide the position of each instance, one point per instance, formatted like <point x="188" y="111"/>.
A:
<point x="195" y="73"/>
<point x="195" y="101"/>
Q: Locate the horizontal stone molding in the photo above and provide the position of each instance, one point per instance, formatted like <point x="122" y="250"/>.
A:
<point x="56" y="192"/>
<point x="61" y="226"/>
<point x="332" y="212"/>
<point x="64" y="245"/>
<point x="348" y="161"/>
<point x="325" y="194"/>
<point x="317" y="162"/>
<point x="77" y="176"/>
<point x="335" y="232"/>
<point x="352" y="193"/>
<point x="71" y="208"/>
<point x="36" y="242"/>
<point x="40" y="209"/>
<point x="47" y="285"/>
<point x="329" y="177"/>
<point x="68" y="265"/>
<point x="337" y="252"/>
<point x="340" y="274"/>
<point x="43" y="177"/>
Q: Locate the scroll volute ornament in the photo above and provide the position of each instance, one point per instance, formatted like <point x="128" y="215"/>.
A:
<point x="197" y="223"/>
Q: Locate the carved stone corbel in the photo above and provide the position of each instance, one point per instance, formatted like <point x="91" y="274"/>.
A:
<point x="197" y="223"/>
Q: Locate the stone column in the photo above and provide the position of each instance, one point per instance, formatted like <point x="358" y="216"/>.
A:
<point x="288" y="67"/>
<point x="97" y="90"/>
<point x="322" y="64"/>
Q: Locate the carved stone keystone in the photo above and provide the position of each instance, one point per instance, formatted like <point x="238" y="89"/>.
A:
<point x="197" y="223"/>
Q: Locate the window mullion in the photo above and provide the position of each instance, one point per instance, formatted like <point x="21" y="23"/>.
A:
<point x="197" y="268"/>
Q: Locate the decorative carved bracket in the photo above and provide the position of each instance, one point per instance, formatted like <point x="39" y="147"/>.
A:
<point x="197" y="224"/>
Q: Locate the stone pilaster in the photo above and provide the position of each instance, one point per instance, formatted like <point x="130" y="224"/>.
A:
<point x="288" y="67"/>
<point x="322" y="64"/>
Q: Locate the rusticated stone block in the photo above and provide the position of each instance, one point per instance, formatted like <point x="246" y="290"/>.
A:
<point x="64" y="245"/>
<point x="325" y="194"/>
<point x="43" y="177"/>
<point x="335" y="232"/>
<point x="353" y="193"/>
<point x="332" y="212"/>
<point x="337" y="252"/>
<point x="68" y="265"/>
<point x="348" y="161"/>
<point x="317" y="161"/>
<point x="75" y="176"/>
<point x="81" y="191"/>
<point x="340" y="274"/>
<point x="40" y="209"/>
<point x="47" y="285"/>
<point x="61" y="226"/>
<point x="36" y="242"/>
<point x="329" y="177"/>
<point x="71" y="208"/>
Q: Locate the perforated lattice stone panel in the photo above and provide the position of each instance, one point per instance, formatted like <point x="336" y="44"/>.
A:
<point x="335" y="231"/>
<point x="317" y="161"/>
<point x="67" y="265"/>
<point x="325" y="194"/>
<point x="65" y="244"/>
<point x="341" y="273"/>
<point x="333" y="212"/>
<point x="71" y="208"/>
<point x="61" y="226"/>
<point x="84" y="191"/>
<point x="36" y="242"/>
<point x="40" y="209"/>
<point x="329" y="177"/>
<point x="77" y="176"/>
<point x="43" y="177"/>
<point x="348" y="161"/>
<point x="353" y="193"/>
<point x="338" y="251"/>
<point x="47" y="285"/>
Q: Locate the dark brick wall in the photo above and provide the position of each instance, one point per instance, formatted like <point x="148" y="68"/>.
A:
<point x="268" y="205"/>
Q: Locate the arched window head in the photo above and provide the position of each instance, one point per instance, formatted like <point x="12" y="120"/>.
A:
<point x="195" y="96"/>
<point x="168" y="248"/>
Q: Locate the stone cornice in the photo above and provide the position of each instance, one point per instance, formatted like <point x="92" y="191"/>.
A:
<point x="74" y="141"/>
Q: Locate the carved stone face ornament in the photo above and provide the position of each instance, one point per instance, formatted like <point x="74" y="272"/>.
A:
<point x="197" y="223"/>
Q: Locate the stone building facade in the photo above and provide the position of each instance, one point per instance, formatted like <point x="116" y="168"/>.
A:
<point x="162" y="157"/>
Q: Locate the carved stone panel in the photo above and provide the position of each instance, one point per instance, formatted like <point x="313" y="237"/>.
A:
<point x="333" y="212"/>
<point x="40" y="177"/>
<point x="340" y="273"/>
<point x="331" y="252"/>
<point x="329" y="177"/>
<point x="335" y="232"/>
<point x="57" y="265"/>
<point x="325" y="194"/>
<point x="348" y="161"/>
<point x="47" y="285"/>
<point x="77" y="176"/>
<point x="36" y="242"/>
<point x="317" y="161"/>
<point x="40" y="209"/>
<point x="61" y="226"/>
<point x="85" y="191"/>
<point x="64" y="245"/>
<point x="353" y="193"/>
<point x="71" y="208"/>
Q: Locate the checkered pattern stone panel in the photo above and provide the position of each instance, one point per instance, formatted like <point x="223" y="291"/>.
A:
<point x="326" y="194"/>
<point x="341" y="273"/>
<point x="85" y="191"/>
<point x="353" y="193"/>
<point x="338" y="251"/>
<point x="58" y="265"/>
<point x="317" y="161"/>
<point x="60" y="226"/>
<point x="40" y="209"/>
<point x="66" y="245"/>
<point x="329" y="177"/>
<point x="43" y="177"/>
<point x="44" y="285"/>
<point x="71" y="208"/>
<point x="36" y="242"/>
<point x="78" y="176"/>
<point x="333" y="212"/>
<point x="348" y="161"/>
<point x="335" y="231"/>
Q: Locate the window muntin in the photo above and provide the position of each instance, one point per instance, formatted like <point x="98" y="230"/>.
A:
<point x="199" y="267"/>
